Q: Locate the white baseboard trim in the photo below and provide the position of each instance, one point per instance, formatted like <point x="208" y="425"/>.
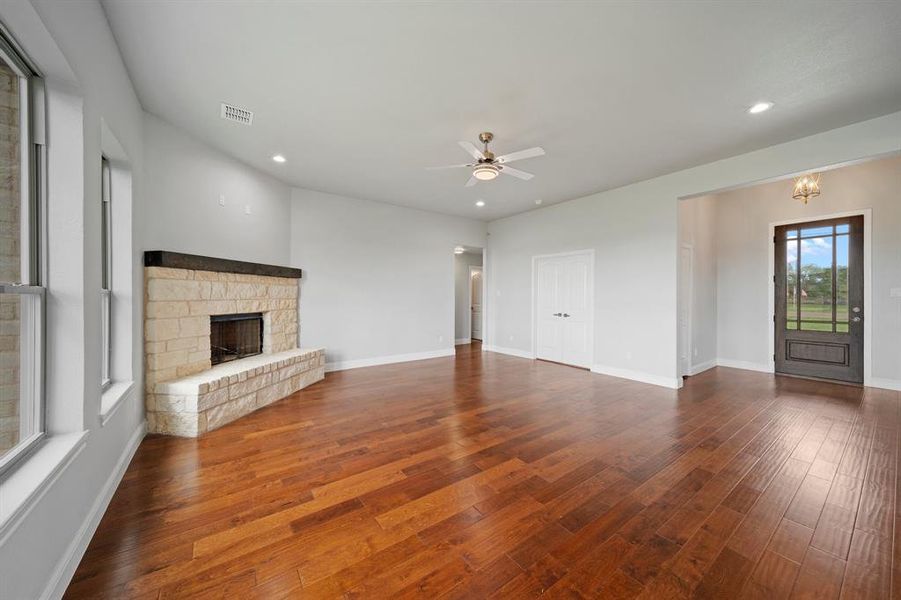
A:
<point x="701" y="367"/>
<point x="509" y="351"/>
<point x="459" y="341"/>
<point x="343" y="365"/>
<point x="884" y="383"/>
<point x="65" y="569"/>
<point x="639" y="376"/>
<point x="744" y="364"/>
<point x="874" y="382"/>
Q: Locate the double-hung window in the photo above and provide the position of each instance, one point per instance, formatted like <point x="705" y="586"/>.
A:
<point x="22" y="297"/>
<point x="106" y="283"/>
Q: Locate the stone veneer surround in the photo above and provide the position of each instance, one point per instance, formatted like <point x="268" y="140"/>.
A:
<point x="178" y="304"/>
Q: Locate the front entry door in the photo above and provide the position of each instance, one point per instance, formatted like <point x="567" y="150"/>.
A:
<point x="819" y="299"/>
<point x="563" y="306"/>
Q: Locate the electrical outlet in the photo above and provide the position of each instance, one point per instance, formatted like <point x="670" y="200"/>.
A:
<point x="440" y="338"/>
<point x="221" y="199"/>
<point x="247" y="210"/>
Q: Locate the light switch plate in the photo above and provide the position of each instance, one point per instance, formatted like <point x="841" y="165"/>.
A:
<point x="221" y="199"/>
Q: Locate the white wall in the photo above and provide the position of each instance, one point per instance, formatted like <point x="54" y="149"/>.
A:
<point x="378" y="279"/>
<point x="634" y="232"/>
<point x="634" y="240"/>
<point x="184" y="181"/>
<point x="742" y="220"/>
<point x="462" y="311"/>
<point x="697" y="220"/>
<point x="69" y="477"/>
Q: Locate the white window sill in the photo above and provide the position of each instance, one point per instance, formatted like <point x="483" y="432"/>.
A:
<point x="25" y="485"/>
<point x="113" y="397"/>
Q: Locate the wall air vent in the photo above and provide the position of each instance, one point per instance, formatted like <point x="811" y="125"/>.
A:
<point x="237" y="114"/>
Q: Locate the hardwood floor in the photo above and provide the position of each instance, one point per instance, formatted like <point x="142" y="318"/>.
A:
<point x="492" y="476"/>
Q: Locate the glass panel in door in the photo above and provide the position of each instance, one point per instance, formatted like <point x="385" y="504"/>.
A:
<point x="816" y="284"/>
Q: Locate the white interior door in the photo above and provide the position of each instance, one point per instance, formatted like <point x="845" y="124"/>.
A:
<point x="549" y="344"/>
<point x="563" y="305"/>
<point x="475" y="302"/>
<point x="686" y="281"/>
<point x="576" y="317"/>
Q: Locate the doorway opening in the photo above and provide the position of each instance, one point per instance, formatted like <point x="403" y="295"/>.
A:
<point x="819" y="298"/>
<point x="779" y="286"/>
<point x="469" y="293"/>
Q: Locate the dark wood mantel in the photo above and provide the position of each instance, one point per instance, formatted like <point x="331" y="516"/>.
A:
<point x="178" y="260"/>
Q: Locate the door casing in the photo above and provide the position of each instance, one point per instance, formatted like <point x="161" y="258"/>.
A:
<point x="589" y="253"/>
<point x="867" y="214"/>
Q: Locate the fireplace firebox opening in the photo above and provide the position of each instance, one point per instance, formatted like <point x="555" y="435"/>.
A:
<point x="235" y="336"/>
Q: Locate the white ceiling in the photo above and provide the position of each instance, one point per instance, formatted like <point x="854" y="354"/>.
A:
<point x="361" y="97"/>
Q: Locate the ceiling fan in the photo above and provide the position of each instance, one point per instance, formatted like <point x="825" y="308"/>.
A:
<point x="488" y="166"/>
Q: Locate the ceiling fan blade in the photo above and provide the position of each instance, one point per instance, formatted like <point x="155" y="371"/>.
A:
<point x="516" y="173"/>
<point x="448" y="167"/>
<point x="472" y="150"/>
<point x="529" y="153"/>
<point x="472" y="181"/>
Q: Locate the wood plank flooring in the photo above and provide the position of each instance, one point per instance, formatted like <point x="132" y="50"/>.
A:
<point x="488" y="476"/>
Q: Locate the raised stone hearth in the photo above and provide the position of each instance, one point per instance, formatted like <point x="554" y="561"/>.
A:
<point x="193" y="405"/>
<point x="184" y="394"/>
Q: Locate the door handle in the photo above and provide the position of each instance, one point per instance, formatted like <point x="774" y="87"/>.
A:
<point x="856" y="319"/>
<point x="565" y="315"/>
<point x="557" y="314"/>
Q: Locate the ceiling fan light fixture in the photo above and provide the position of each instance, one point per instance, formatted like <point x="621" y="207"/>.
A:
<point x="485" y="172"/>
<point x="480" y="203"/>
<point x="487" y="166"/>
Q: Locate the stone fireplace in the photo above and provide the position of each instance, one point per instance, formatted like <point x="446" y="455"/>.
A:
<point x="220" y="340"/>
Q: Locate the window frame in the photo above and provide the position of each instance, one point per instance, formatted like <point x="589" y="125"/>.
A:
<point x="32" y="245"/>
<point x="833" y="233"/>
<point x="106" y="274"/>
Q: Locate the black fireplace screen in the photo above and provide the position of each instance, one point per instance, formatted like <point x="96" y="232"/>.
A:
<point x="235" y="336"/>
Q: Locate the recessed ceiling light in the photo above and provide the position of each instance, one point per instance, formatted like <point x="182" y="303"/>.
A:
<point x="279" y="158"/>
<point x="480" y="203"/>
<point x="760" y="107"/>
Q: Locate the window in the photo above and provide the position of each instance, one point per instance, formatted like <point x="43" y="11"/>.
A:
<point x="106" y="284"/>
<point x="817" y="278"/>
<point x="21" y="291"/>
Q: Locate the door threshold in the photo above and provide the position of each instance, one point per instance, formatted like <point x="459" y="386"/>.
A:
<point x="554" y="362"/>
<point x="820" y="379"/>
